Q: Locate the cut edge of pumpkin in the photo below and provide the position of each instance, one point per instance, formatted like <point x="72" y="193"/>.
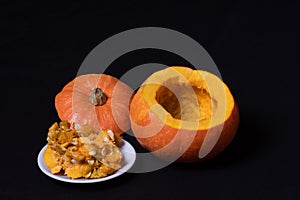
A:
<point x="189" y="99"/>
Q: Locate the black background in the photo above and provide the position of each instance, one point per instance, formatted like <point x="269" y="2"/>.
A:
<point x="255" y="45"/>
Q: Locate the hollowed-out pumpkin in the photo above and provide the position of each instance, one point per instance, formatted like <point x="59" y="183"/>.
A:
<point x="184" y="115"/>
<point x="98" y="100"/>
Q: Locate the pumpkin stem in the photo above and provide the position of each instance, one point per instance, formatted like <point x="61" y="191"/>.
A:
<point x="97" y="97"/>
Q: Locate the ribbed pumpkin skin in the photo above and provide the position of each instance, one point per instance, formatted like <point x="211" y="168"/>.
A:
<point x="72" y="103"/>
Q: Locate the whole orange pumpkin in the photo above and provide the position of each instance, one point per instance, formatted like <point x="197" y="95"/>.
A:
<point x="100" y="100"/>
<point x="185" y="115"/>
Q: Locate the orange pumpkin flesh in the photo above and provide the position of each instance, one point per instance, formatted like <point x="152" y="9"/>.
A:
<point x="184" y="115"/>
<point x="98" y="100"/>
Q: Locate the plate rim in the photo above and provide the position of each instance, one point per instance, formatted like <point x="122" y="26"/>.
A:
<point x="125" y="168"/>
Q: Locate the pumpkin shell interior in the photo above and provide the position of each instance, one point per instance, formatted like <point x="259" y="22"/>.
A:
<point x="188" y="99"/>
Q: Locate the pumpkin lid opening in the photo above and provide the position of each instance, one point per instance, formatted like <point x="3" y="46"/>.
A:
<point x="186" y="98"/>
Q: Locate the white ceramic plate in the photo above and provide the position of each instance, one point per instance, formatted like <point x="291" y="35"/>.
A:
<point x="129" y="156"/>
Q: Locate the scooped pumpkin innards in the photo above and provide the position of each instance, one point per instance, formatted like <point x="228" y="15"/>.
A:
<point x="83" y="152"/>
